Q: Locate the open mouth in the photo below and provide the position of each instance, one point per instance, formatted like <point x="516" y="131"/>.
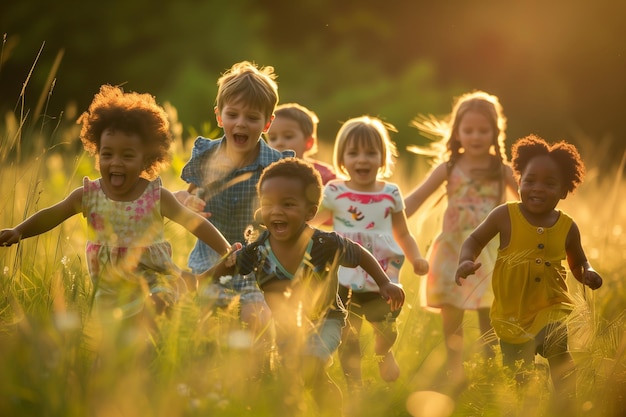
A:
<point x="362" y="172"/>
<point x="117" y="180"/>
<point x="240" y="139"/>
<point x="279" y="227"/>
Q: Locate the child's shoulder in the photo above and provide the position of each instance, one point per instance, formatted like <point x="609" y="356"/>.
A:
<point x="267" y="154"/>
<point x="203" y="145"/>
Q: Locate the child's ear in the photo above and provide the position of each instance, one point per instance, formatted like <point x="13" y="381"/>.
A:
<point x="218" y="117"/>
<point x="268" y="124"/>
<point x="309" y="143"/>
<point x="312" y="211"/>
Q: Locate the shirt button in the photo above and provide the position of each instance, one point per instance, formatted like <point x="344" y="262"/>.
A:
<point x="540" y="246"/>
<point x="538" y="261"/>
<point x="540" y="230"/>
<point x="537" y="279"/>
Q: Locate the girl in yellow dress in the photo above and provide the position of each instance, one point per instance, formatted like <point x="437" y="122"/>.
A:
<point x="531" y="301"/>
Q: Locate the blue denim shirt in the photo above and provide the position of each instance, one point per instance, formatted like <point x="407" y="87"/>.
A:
<point x="232" y="201"/>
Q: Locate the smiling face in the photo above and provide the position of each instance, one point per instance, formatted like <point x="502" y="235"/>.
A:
<point x="285" y="208"/>
<point x="475" y="134"/>
<point x="541" y="186"/>
<point x="122" y="160"/>
<point x="285" y="133"/>
<point x="362" y="162"/>
<point x="242" y="126"/>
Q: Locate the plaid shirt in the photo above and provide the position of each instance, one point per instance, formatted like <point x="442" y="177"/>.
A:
<point x="232" y="200"/>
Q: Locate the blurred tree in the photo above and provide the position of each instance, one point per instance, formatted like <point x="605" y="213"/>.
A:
<point x="557" y="66"/>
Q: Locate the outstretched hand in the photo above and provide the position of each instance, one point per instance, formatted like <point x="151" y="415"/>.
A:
<point x="592" y="279"/>
<point x="465" y="269"/>
<point x="231" y="257"/>
<point x="192" y="202"/>
<point x="9" y="237"/>
<point x="393" y="294"/>
<point x="420" y="266"/>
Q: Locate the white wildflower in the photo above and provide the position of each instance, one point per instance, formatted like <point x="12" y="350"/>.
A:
<point x="225" y="279"/>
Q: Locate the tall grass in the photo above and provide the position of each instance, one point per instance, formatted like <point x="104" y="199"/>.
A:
<point x="55" y="361"/>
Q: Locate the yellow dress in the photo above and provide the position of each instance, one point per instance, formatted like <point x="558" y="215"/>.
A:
<point x="529" y="279"/>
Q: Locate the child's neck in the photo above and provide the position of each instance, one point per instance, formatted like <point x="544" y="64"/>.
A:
<point x="238" y="159"/>
<point x="546" y="219"/>
<point x="290" y="253"/>
<point x="471" y="162"/>
<point x="366" y="188"/>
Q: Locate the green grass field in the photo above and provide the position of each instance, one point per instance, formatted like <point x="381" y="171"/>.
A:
<point x="200" y="366"/>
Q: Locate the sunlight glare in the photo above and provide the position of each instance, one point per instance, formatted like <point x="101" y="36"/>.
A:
<point x="240" y="339"/>
<point x="429" y="404"/>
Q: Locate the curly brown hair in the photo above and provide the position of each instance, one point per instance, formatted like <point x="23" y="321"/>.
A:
<point x="564" y="154"/>
<point x="131" y="113"/>
<point x="296" y="168"/>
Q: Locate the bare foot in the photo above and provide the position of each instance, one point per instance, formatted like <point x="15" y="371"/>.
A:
<point x="388" y="367"/>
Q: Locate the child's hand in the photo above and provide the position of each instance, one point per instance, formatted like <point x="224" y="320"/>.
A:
<point x="393" y="294"/>
<point x="420" y="266"/>
<point x="592" y="279"/>
<point x="9" y="236"/>
<point x="192" y="202"/>
<point x="231" y="256"/>
<point x="465" y="269"/>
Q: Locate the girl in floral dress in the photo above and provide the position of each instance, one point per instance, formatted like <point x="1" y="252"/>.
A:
<point x="476" y="174"/>
<point x="129" y="261"/>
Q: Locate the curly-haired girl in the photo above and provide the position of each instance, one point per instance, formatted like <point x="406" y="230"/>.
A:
<point x="128" y="258"/>
<point x="531" y="301"/>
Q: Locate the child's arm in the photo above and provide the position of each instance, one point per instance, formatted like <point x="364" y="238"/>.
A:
<point x="417" y="197"/>
<point x="510" y="182"/>
<point x="321" y="217"/>
<point x="194" y="222"/>
<point x="225" y="266"/>
<point x="44" y="220"/>
<point x="478" y="239"/>
<point x="577" y="260"/>
<point x="190" y="200"/>
<point x="407" y="243"/>
<point x="392" y="293"/>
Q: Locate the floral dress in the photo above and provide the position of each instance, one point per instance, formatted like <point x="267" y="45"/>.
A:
<point x="469" y="203"/>
<point x="127" y="256"/>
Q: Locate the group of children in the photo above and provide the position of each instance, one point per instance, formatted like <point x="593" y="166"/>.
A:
<point x="313" y="284"/>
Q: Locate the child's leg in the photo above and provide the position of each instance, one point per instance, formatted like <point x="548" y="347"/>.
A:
<point x="520" y="358"/>
<point x="386" y="333"/>
<point x="325" y="391"/>
<point x="321" y="345"/>
<point x="256" y="318"/>
<point x="350" y="351"/>
<point x="490" y="341"/>
<point x="553" y="346"/>
<point x="452" y="319"/>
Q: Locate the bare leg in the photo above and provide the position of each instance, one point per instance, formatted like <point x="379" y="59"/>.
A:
<point x="385" y="334"/>
<point x="490" y="341"/>
<point x="350" y="351"/>
<point x="326" y="393"/>
<point x="452" y="318"/>
<point x="256" y="318"/>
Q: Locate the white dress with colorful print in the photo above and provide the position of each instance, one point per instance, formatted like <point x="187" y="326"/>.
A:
<point x="365" y="217"/>
<point x="127" y="256"/>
